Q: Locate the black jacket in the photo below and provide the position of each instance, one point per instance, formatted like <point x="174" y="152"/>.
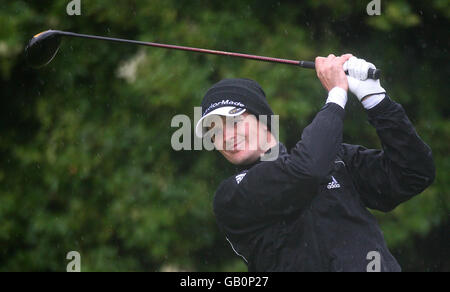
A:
<point x="307" y="210"/>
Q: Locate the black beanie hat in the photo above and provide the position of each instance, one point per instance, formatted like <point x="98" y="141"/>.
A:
<point x="239" y="93"/>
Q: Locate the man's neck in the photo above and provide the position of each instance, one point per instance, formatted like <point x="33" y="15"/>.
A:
<point x="272" y="142"/>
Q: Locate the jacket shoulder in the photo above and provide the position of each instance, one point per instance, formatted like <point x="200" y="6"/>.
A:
<point x="225" y="191"/>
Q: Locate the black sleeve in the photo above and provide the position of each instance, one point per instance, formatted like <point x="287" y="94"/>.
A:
<point x="279" y="187"/>
<point x="402" y="169"/>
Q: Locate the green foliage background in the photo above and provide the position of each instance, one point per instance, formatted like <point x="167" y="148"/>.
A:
<point x="85" y="157"/>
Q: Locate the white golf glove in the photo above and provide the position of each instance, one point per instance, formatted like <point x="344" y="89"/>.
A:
<point x="360" y="86"/>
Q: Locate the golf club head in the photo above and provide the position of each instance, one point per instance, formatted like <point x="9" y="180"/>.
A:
<point x="42" y="48"/>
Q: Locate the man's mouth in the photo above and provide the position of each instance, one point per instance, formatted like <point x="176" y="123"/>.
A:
<point x="235" y="146"/>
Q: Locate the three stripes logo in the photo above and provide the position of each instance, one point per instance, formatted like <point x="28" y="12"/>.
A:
<point x="239" y="177"/>
<point x="333" y="184"/>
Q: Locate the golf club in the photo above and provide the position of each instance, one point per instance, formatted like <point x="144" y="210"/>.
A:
<point x="43" y="47"/>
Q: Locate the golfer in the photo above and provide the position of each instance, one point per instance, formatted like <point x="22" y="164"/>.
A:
<point x="306" y="209"/>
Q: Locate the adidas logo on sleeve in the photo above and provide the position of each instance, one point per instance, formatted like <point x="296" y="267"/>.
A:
<point x="333" y="184"/>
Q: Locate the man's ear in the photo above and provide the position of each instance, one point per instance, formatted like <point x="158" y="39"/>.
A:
<point x="263" y="122"/>
<point x="264" y="126"/>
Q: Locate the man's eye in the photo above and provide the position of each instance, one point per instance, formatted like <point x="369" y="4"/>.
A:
<point x="238" y="120"/>
<point x="217" y="130"/>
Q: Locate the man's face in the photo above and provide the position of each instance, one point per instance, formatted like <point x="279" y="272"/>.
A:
<point x="237" y="138"/>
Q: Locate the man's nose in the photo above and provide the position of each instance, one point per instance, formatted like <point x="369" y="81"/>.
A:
<point x="229" y="132"/>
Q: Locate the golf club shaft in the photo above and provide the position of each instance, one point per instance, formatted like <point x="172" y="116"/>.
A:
<point x="40" y="54"/>
<point x="304" y="64"/>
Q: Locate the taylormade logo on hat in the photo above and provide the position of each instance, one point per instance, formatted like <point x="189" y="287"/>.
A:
<point x="224" y="103"/>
